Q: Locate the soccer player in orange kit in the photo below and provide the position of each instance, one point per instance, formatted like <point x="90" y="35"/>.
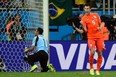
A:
<point x="105" y="30"/>
<point x="91" y="24"/>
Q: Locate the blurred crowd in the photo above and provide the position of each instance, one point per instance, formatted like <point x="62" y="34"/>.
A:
<point x="18" y="3"/>
<point x="11" y="3"/>
<point x="93" y="3"/>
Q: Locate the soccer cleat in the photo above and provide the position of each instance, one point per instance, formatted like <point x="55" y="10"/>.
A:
<point x="97" y="73"/>
<point x="33" y="68"/>
<point x="91" y="71"/>
<point x="50" y="66"/>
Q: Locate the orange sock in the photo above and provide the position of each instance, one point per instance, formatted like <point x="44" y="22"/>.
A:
<point x="99" y="62"/>
<point x="91" y="60"/>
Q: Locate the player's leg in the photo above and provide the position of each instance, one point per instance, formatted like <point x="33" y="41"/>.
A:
<point x="99" y="59"/>
<point x="51" y="67"/>
<point x="91" y="45"/>
<point x="43" y="61"/>
<point x="31" y="59"/>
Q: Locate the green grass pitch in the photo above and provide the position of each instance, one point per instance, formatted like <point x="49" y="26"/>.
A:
<point x="57" y="74"/>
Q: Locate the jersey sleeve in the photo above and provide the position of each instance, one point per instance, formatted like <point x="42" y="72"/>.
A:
<point x="33" y="42"/>
<point x="46" y="44"/>
<point x="98" y="17"/>
<point x="83" y="22"/>
<point x="7" y="28"/>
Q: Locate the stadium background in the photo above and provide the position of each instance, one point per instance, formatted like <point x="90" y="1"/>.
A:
<point x="32" y="17"/>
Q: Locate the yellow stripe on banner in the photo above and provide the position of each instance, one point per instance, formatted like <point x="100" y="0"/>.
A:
<point x="80" y="2"/>
<point x="60" y="11"/>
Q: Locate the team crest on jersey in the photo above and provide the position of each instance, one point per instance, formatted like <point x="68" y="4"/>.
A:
<point x="94" y="16"/>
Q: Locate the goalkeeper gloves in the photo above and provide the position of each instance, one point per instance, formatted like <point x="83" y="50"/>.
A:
<point x="26" y="50"/>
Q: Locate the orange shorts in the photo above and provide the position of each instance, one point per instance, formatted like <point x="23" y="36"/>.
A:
<point x="97" y="43"/>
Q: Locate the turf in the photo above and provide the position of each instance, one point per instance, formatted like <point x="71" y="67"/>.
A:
<point x="57" y="74"/>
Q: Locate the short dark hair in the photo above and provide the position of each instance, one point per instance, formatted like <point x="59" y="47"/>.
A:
<point x="17" y="14"/>
<point x="40" y="30"/>
<point x="87" y="5"/>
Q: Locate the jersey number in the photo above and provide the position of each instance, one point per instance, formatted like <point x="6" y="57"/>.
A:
<point x="93" y="22"/>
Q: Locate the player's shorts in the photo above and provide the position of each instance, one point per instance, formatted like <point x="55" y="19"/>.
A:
<point x="97" y="43"/>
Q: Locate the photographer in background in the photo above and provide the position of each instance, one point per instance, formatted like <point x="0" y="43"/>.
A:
<point x="105" y="30"/>
<point x="113" y="35"/>
<point x="78" y="33"/>
<point x="10" y="22"/>
<point x="111" y="26"/>
<point x="18" y="30"/>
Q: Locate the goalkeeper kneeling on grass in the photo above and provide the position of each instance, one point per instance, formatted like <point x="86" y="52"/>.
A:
<point x="41" y="54"/>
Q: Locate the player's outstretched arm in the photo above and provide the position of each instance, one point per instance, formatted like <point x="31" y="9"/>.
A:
<point x="29" y="49"/>
<point x="77" y="29"/>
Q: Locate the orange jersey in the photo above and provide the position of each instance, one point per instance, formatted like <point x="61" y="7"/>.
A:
<point x="105" y="32"/>
<point x="8" y="27"/>
<point x="92" y="22"/>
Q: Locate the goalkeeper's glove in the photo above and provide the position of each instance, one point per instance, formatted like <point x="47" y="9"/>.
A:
<point x="26" y="50"/>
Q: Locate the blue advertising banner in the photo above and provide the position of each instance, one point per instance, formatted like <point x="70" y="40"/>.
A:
<point x="64" y="55"/>
<point x="73" y="55"/>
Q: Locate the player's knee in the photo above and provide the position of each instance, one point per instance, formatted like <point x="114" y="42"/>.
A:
<point x="99" y="53"/>
<point x="92" y="51"/>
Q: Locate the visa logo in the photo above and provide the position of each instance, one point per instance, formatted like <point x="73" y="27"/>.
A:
<point x="66" y="60"/>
